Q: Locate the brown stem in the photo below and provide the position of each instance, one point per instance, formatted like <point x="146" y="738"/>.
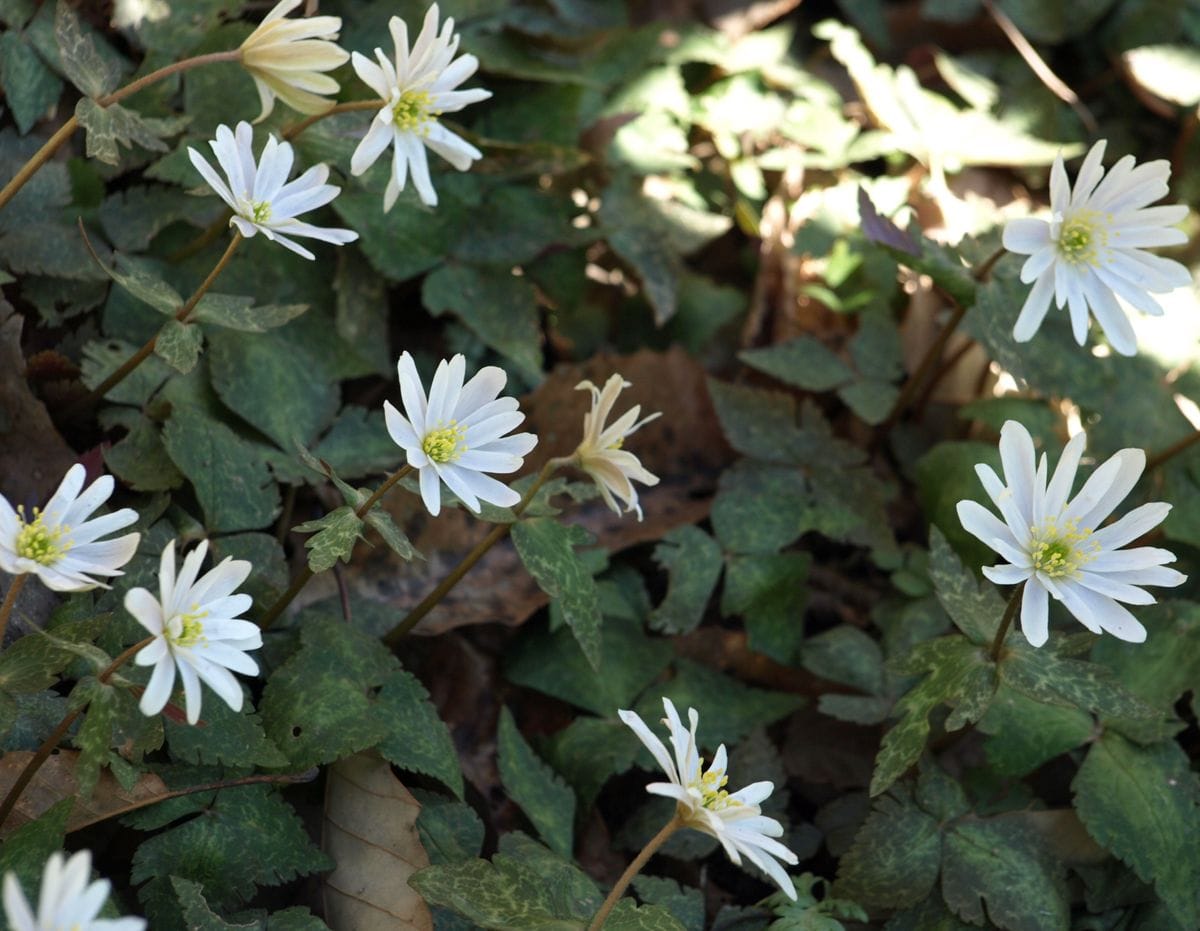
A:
<point x="632" y="870"/>
<point x="1172" y="451"/>
<point x="55" y="142"/>
<point x="181" y="315"/>
<point x="10" y="601"/>
<point x="984" y="271"/>
<point x="48" y="745"/>
<point x="303" y="576"/>
<point x="494" y="536"/>
<point x="1010" y="612"/>
<point x="297" y="128"/>
<point x="930" y="359"/>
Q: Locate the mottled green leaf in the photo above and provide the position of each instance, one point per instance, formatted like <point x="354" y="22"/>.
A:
<point x="103" y="357"/>
<point x="590" y="750"/>
<point x="178" y="345"/>
<point x="694" y="562"/>
<point x="847" y="655"/>
<point x="547" y="549"/>
<point x="803" y="362"/>
<point x="1047" y="677"/>
<point x="333" y="537"/>
<point x="30" y="88"/>
<point x="769" y="592"/>
<point x="110" y="127"/>
<point x="450" y="831"/>
<point x="223" y="737"/>
<point x="533" y="785"/>
<point x="1143" y="804"/>
<point x="629" y="916"/>
<point x="358" y="444"/>
<point x="34" y="661"/>
<point x="95" y="75"/>
<point x="974" y="608"/>
<point x="415" y="737"/>
<point x="392" y="535"/>
<point x="896" y="855"/>
<point x="240" y="313"/>
<point x="760" y="508"/>
<point x="1026" y="733"/>
<point x="26" y="850"/>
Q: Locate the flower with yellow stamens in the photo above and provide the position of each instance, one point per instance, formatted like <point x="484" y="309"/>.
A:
<point x="601" y="454"/>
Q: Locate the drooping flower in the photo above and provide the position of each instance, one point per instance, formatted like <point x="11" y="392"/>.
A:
<point x="601" y="454"/>
<point x="67" y="899"/>
<point x="416" y="90"/>
<point x="287" y="58"/>
<point x="1056" y="547"/>
<point x="260" y="195"/>
<point x="196" y="630"/>
<point x="59" y="544"/>
<point x="458" y="434"/>
<point x="1092" y="250"/>
<point x="702" y="803"/>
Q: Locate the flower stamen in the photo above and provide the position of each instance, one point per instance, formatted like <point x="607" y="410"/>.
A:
<point x="190" y="627"/>
<point x="445" y="443"/>
<point x="711" y="787"/>
<point x="1080" y="238"/>
<point x="413" y="112"/>
<point x="1060" y="551"/>
<point x="38" y="542"/>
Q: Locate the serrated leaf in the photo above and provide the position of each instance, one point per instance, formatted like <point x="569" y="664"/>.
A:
<point x="415" y="737"/>
<point x="896" y="855"/>
<point x="629" y="916"/>
<point x="999" y="865"/>
<point x="1047" y="677"/>
<point x="248" y="837"/>
<point x="224" y="737"/>
<point x="84" y="66"/>
<point x="199" y="916"/>
<point x="33" y="662"/>
<point x="974" y="608"/>
<point x="95" y="735"/>
<point x="30" y="88"/>
<point x="333" y="538"/>
<point x="694" y="562"/>
<point x="179" y="344"/>
<point x="533" y="785"/>
<point x="392" y="535"/>
<point x="588" y="751"/>
<point x="450" y="831"/>
<point x="110" y="127"/>
<point x="26" y="850"/>
<point x="1026" y="733"/>
<point x="803" y="362"/>
<point x="760" y="509"/>
<point x="769" y="592"/>
<point x="547" y="548"/>
<point x="1143" y="804"/>
<point x="358" y="444"/>
<point x="239" y="313"/>
<point x="685" y="904"/>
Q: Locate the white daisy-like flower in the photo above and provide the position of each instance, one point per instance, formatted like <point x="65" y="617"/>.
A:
<point x="260" y="195"/>
<point x="702" y="803"/>
<point x="416" y="90"/>
<point x="67" y="899"/>
<point x="287" y="58"/>
<point x="1092" y="250"/>
<point x="1056" y="547"/>
<point x="59" y="544"/>
<point x="196" y="630"/>
<point x="458" y="434"/>
<point x="600" y="453"/>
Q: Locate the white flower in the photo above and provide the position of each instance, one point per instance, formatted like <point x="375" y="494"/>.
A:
<point x="59" y="544"/>
<point x="286" y="58"/>
<point x="702" y="803"/>
<point x="262" y="198"/>
<point x="415" y="92"/>
<point x="1053" y="545"/>
<point x="600" y="454"/>
<point x="1091" y="251"/>
<point x="196" y="629"/>
<point x="67" y="900"/>
<point x="458" y="433"/>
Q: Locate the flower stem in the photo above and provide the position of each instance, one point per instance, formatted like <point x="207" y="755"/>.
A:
<point x="297" y="128"/>
<point x="48" y="745"/>
<point x="1010" y="612"/>
<point x="181" y="315"/>
<point x="932" y="355"/>
<point x="982" y="272"/>
<point x="494" y="536"/>
<point x="55" y="142"/>
<point x="1179" y="446"/>
<point x="10" y="600"/>
<point x="632" y="870"/>
<point x="303" y="576"/>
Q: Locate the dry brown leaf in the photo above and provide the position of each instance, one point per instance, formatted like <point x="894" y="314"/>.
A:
<point x="55" y="781"/>
<point x="370" y="831"/>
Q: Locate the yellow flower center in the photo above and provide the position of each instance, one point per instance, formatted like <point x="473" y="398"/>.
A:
<point x="712" y="790"/>
<point x="617" y="443"/>
<point x="260" y="212"/>
<point x="413" y="112"/>
<point x="446" y="443"/>
<point x="1080" y="237"/>
<point x="191" y="627"/>
<point x="1060" y="551"/>
<point x="38" y="542"/>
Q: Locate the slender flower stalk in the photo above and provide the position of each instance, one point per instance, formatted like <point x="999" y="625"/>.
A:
<point x="304" y="575"/>
<point x="494" y="536"/>
<point x="631" y="871"/>
<point x="10" y="601"/>
<point x="1010" y="613"/>
<point x="60" y="731"/>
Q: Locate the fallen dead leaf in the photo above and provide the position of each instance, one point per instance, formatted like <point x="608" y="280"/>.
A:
<point x="370" y="831"/>
<point x="55" y="781"/>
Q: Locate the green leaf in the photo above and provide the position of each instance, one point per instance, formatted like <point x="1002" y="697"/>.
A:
<point x="694" y="562"/>
<point x="362" y="309"/>
<point x="807" y="913"/>
<point x="30" y="88"/>
<point x="415" y="737"/>
<point x="684" y="903"/>
<point x="1000" y="864"/>
<point x="450" y="831"/>
<point x="199" y="916"/>
<point x="26" y="850"/>
<point x="33" y="662"/>
<point x="547" y="548"/>
<point x="896" y="855"/>
<point x="333" y="538"/>
<point x="930" y="915"/>
<point x="239" y="313"/>
<point x="757" y="423"/>
<point x="109" y="127"/>
<point x="95" y="75"/>
<point x="103" y="357"/>
<point x="498" y="307"/>
<point x="322" y="704"/>
<point x="760" y="509"/>
<point x="945" y="476"/>
<point x="847" y="655"/>
<point x="179" y="345"/>
<point x="629" y="916"/>
<point x="545" y="799"/>
<point x="974" y="608"/>
<point x="1044" y="676"/>
<point x="1143" y="804"/>
<point x="1026" y="733"/>
<point x="960" y="675"/>
<point x="392" y="535"/>
<point x="1160" y="670"/>
<point x="769" y="592"/>
<point x="590" y="750"/>
<point x="95" y="735"/>
<point x="803" y="362"/>
<point x="248" y="837"/>
<point x="229" y="474"/>
<point x="140" y="279"/>
<point x="1051" y="23"/>
<point x="223" y="737"/>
